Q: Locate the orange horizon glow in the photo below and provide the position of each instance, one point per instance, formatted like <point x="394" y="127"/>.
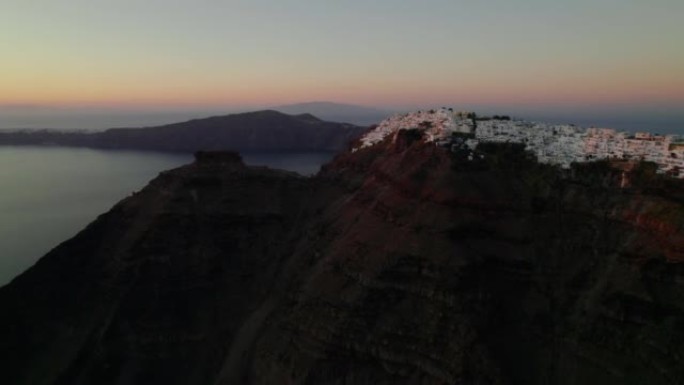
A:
<point x="193" y="92"/>
<point x="133" y="55"/>
<point x="385" y="97"/>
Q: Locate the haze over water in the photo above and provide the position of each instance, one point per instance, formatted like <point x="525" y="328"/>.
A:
<point x="663" y="121"/>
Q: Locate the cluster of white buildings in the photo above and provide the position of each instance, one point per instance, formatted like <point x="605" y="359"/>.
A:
<point x="436" y="124"/>
<point x="665" y="150"/>
<point x="554" y="144"/>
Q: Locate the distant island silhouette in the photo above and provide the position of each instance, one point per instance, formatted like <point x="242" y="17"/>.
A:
<point x="266" y="130"/>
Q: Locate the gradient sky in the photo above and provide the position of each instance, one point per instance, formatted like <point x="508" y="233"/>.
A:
<point x="392" y="53"/>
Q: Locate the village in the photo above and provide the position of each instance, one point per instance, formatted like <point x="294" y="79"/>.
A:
<point x="553" y="144"/>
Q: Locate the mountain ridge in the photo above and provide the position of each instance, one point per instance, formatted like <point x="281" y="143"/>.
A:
<point x="265" y="130"/>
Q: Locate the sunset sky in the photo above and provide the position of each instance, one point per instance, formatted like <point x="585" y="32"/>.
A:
<point x="227" y="53"/>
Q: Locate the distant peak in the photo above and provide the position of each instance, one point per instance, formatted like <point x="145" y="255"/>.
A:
<point x="262" y="112"/>
<point x="307" y="116"/>
<point x="337" y="112"/>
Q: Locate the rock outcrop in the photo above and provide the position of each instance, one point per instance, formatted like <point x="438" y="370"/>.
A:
<point x="397" y="264"/>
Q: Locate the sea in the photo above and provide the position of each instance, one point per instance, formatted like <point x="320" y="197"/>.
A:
<point x="48" y="194"/>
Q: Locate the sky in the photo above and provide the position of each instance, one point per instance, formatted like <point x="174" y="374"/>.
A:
<point x="523" y="56"/>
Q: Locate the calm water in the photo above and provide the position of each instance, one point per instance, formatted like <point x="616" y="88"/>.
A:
<point x="48" y="194"/>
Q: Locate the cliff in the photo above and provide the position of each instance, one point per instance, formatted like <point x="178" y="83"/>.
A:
<point x="400" y="263"/>
<point x="253" y="131"/>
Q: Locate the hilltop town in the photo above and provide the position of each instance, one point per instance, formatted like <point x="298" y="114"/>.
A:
<point x="553" y="144"/>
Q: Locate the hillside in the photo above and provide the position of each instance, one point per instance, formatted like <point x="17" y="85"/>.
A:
<point x="253" y="131"/>
<point x="400" y="263"/>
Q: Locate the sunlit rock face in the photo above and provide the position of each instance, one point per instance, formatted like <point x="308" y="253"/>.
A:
<point x="402" y="262"/>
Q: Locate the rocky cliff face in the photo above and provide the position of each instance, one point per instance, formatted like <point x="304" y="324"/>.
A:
<point x="399" y="263"/>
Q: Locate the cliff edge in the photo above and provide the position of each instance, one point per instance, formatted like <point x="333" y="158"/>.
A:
<point x="399" y="263"/>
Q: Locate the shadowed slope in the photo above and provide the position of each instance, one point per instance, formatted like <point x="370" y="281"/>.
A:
<point x="397" y="264"/>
